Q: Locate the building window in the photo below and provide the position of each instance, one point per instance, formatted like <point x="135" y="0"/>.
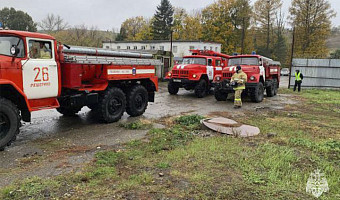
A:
<point x="191" y="47"/>
<point x="174" y="49"/>
<point x="161" y="48"/>
<point x="107" y="47"/>
<point x="135" y="47"/>
<point x="211" y="48"/>
<point x="143" y="47"/>
<point x="128" y="47"/>
<point x="152" y="47"/>
<point x="205" y="48"/>
<point x="118" y="47"/>
<point x="216" y="48"/>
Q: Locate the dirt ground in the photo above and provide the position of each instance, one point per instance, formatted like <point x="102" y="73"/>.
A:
<point x="52" y="144"/>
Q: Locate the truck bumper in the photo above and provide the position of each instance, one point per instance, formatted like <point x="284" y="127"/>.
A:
<point x="225" y="86"/>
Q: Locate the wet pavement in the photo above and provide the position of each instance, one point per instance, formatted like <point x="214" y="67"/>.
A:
<point x="52" y="144"/>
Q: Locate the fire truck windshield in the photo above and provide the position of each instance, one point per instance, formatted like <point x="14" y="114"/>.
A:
<point x="198" y="61"/>
<point x="6" y="42"/>
<point x="243" y="61"/>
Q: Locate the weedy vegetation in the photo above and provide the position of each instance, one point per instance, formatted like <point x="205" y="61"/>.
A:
<point x="175" y="163"/>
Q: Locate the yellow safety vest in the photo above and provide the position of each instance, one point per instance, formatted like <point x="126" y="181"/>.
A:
<point x="298" y="76"/>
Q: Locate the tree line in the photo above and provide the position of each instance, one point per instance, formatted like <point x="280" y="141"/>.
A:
<point x="236" y="24"/>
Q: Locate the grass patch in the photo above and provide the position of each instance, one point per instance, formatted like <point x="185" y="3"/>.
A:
<point x="173" y="163"/>
<point x="137" y="125"/>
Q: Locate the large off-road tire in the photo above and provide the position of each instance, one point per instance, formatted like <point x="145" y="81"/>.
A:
<point x="69" y="111"/>
<point x="257" y="94"/>
<point x="136" y="100"/>
<point x="276" y="88"/>
<point x="270" y="90"/>
<point x="220" y="95"/>
<point x="201" y="88"/>
<point x="9" y="123"/>
<point x="112" y="105"/>
<point x="172" y="88"/>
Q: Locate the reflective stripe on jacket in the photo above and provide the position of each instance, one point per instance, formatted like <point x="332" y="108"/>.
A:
<point x="298" y="76"/>
<point x="241" y="79"/>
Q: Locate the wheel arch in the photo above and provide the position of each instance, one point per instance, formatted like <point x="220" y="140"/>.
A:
<point x="10" y="91"/>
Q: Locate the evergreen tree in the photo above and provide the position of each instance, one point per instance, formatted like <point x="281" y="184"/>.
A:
<point x="163" y="21"/>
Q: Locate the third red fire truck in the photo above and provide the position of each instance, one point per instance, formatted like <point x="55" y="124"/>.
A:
<point x="263" y="75"/>
<point x="196" y="72"/>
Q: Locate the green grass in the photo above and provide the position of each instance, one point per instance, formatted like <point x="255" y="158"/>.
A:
<point x="137" y="125"/>
<point x="174" y="163"/>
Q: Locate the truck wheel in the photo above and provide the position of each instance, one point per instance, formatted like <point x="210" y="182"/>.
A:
<point x="220" y="95"/>
<point x="270" y="90"/>
<point x="257" y="94"/>
<point x="201" y="89"/>
<point x="9" y="123"/>
<point x="112" y="105"/>
<point x="172" y="88"/>
<point x="137" y="100"/>
<point x="276" y="87"/>
<point x="69" y="111"/>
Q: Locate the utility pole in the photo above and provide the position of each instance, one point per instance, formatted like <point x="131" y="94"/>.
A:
<point x="171" y="49"/>
<point x="291" y="59"/>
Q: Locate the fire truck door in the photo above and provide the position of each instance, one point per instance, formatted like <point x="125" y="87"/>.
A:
<point x="210" y="70"/>
<point x="40" y="71"/>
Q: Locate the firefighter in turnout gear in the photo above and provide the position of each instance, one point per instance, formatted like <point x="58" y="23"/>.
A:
<point x="239" y="80"/>
<point x="298" y="80"/>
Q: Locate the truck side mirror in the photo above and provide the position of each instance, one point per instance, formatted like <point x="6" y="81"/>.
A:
<point x="14" y="50"/>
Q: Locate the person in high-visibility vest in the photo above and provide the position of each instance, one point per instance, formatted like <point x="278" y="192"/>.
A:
<point x="298" y="80"/>
<point x="240" y="79"/>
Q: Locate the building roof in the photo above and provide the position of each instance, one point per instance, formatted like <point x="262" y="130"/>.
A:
<point x="158" y="41"/>
<point x="27" y="34"/>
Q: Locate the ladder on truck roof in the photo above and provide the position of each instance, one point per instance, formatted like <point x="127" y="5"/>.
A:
<point x="106" y="60"/>
<point x="85" y="55"/>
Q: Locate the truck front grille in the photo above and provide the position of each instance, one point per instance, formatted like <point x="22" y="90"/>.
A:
<point x="227" y="75"/>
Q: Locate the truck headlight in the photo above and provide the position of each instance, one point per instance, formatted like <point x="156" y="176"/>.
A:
<point x="252" y="78"/>
<point x="169" y="74"/>
<point x="218" y="78"/>
<point x="194" y="76"/>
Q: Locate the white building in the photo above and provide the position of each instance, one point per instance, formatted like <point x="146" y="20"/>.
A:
<point x="179" y="48"/>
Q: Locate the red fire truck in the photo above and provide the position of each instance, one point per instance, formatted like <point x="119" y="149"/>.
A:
<point x="36" y="74"/>
<point x="196" y="72"/>
<point x="263" y="74"/>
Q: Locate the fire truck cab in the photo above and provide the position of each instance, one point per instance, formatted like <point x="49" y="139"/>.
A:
<point x="36" y="74"/>
<point x="196" y="72"/>
<point x="263" y="75"/>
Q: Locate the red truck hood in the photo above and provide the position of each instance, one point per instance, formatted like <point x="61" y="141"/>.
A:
<point x="245" y="69"/>
<point x="189" y="66"/>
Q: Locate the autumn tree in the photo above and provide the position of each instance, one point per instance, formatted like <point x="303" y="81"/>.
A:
<point x="163" y="21"/>
<point x="17" y="20"/>
<point x="312" y="22"/>
<point x="180" y="15"/>
<point x="192" y="27"/>
<point x="187" y="26"/>
<point x="217" y="25"/>
<point x="264" y="14"/>
<point x="280" y="50"/>
<point x="53" y="23"/>
<point x="131" y="27"/>
<point x="241" y="13"/>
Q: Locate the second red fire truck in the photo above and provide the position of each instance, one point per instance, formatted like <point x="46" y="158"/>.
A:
<point x="196" y="72"/>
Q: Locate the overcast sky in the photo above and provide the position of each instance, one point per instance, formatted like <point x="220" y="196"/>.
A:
<point x="108" y="14"/>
